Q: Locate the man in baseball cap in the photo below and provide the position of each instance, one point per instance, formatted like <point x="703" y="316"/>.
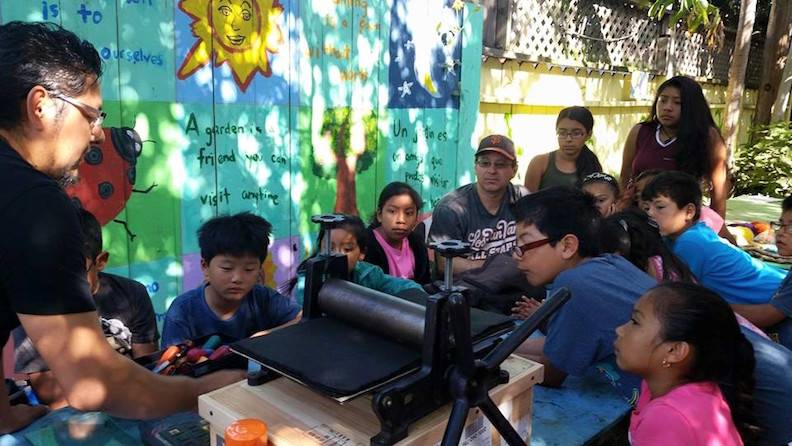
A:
<point x="480" y="213"/>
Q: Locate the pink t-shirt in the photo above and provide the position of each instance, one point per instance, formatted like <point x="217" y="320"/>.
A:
<point x="711" y="219"/>
<point x="401" y="262"/>
<point x="692" y="414"/>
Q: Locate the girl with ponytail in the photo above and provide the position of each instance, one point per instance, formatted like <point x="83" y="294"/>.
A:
<point x="696" y="365"/>
<point x="573" y="160"/>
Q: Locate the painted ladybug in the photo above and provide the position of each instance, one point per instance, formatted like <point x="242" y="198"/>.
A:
<point x="107" y="174"/>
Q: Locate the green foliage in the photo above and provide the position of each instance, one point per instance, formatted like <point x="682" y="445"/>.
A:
<point x="695" y="14"/>
<point x="765" y="167"/>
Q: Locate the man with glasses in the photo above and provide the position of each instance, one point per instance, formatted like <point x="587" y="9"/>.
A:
<point x="480" y="213"/>
<point x="775" y="317"/>
<point x="50" y="115"/>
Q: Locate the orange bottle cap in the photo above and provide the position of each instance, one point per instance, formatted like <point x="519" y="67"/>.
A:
<point x="246" y="432"/>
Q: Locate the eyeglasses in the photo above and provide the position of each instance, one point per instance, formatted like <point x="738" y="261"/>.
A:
<point x="781" y="227"/>
<point x="520" y="251"/>
<point x="486" y="164"/>
<point x="95" y="116"/>
<point x="564" y="133"/>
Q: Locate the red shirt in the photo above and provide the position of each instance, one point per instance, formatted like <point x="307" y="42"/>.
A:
<point x="651" y="153"/>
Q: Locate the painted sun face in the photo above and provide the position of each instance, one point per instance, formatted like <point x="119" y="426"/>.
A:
<point x="234" y="23"/>
<point x="242" y="33"/>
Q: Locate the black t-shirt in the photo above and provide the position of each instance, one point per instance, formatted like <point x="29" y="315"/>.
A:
<point x="126" y="315"/>
<point x="127" y="301"/>
<point x="42" y="268"/>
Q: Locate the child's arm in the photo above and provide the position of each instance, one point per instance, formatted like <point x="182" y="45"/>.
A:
<point x="533" y="349"/>
<point x="268" y="331"/>
<point x="761" y="315"/>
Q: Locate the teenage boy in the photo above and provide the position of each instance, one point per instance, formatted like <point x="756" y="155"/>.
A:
<point x="230" y="302"/>
<point x="556" y="240"/>
<point x="124" y="306"/>
<point x="675" y="204"/>
<point x="557" y="246"/>
<point x="775" y="317"/>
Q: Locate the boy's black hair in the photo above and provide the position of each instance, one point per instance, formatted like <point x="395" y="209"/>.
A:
<point x="682" y="188"/>
<point x="558" y="211"/>
<point x="786" y="205"/>
<point x="235" y="235"/>
<point x="636" y="237"/>
<point x="91" y="233"/>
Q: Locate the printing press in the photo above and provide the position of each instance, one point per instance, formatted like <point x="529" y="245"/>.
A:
<point x="414" y="353"/>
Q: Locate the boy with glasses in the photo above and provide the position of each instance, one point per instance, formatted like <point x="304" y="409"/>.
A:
<point x="775" y="317"/>
<point x="558" y="246"/>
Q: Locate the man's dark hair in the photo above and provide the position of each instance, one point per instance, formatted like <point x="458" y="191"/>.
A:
<point x="91" y="232"/>
<point x="558" y="211"/>
<point x="42" y="54"/>
<point x="682" y="188"/>
<point x="235" y="235"/>
<point x="786" y="205"/>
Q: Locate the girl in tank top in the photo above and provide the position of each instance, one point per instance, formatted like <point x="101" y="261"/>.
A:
<point x="573" y="160"/>
<point x="680" y="135"/>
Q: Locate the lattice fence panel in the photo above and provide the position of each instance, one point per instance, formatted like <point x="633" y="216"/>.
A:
<point x="608" y="34"/>
<point x="604" y="34"/>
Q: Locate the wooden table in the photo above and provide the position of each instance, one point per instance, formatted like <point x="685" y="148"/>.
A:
<point x="296" y="415"/>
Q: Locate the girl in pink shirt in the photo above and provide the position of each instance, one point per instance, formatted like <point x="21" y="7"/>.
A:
<point x="396" y="238"/>
<point x="696" y="365"/>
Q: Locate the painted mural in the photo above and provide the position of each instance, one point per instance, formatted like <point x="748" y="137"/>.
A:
<point x="285" y="108"/>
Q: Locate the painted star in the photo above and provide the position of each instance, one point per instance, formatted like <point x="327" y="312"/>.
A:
<point x="405" y="89"/>
<point x="450" y="66"/>
<point x="409" y="45"/>
<point x="458" y="5"/>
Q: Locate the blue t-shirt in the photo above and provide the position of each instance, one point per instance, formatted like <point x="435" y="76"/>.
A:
<point x="724" y="268"/>
<point x="189" y="316"/>
<point x="580" y="336"/>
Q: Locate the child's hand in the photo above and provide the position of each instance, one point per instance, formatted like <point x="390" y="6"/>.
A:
<point x="525" y="307"/>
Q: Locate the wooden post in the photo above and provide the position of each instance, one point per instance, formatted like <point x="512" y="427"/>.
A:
<point x="739" y="63"/>
<point x="774" y="58"/>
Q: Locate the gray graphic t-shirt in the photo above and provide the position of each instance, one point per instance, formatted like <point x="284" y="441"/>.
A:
<point x="460" y="215"/>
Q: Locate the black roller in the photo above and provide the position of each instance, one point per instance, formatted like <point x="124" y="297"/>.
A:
<point x="381" y="313"/>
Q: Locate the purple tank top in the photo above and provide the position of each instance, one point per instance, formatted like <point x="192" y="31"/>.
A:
<point x="650" y="153"/>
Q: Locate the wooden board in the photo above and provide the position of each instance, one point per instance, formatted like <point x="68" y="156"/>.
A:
<point x="297" y="415"/>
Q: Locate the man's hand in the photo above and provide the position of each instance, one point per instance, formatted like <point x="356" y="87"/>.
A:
<point x="525" y="307"/>
<point x="19" y="416"/>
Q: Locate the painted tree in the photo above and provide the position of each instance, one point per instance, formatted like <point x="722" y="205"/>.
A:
<point x="344" y="146"/>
